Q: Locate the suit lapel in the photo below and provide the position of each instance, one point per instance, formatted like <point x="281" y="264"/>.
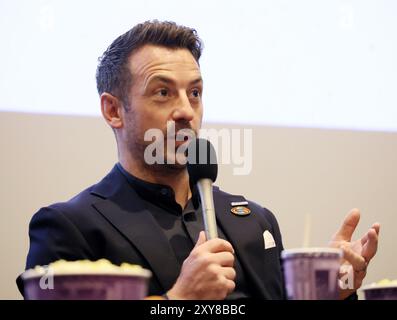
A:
<point x="245" y="234"/>
<point x="122" y="207"/>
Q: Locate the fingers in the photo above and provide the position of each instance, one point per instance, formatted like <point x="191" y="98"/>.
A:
<point x="229" y="273"/>
<point x="229" y="276"/>
<point x="223" y="277"/>
<point x="348" y="226"/>
<point x="218" y="255"/>
<point x="376" y="227"/>
<point x="224" y="259"/>
<point x="207" y="273"/>
<point x="230" y="285"/>
<point x="201" y="239"/>
<point x="357" y="261"/>
<point x="371" y="245"/>
<point x="217" y="245"/>
<point x="213" y="245"/>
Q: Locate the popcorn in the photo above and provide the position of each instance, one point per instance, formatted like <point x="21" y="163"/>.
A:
<point x="102" y="266"/>
<point x="382" y="283"/>
<point x="386" y="282"/>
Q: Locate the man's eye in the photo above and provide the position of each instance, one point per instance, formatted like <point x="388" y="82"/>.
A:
<point x="196" y="93"/>
<point x="163" y="92"/>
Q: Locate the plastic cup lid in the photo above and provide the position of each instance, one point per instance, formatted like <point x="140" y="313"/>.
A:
<point x="311" y="252"/>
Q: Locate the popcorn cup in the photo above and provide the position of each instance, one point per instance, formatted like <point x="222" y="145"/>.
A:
<point x="387" y="291"/>
<point x="312" y="273"/>
<point x="87" y="283"/>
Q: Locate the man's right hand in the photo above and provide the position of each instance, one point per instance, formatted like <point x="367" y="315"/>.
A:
<point x="207" y="273"/>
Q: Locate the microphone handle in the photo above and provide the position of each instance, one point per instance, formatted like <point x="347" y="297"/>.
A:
<point x="207" y="204"/>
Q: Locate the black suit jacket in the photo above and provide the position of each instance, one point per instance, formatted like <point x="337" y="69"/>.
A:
<point x="109" y="220"/>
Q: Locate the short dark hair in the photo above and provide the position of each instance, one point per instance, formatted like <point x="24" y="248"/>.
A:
<point x="113" y="75"/>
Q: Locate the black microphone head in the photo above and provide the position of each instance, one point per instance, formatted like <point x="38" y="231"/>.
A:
<point x="201" y="161"/>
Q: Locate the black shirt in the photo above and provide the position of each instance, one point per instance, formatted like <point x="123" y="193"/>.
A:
<point x="181" y="226"/>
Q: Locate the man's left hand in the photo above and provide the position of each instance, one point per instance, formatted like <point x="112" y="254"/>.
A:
<point x="357" y="253"/>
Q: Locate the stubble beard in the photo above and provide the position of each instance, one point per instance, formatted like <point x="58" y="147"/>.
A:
<point x="136" y="148"/>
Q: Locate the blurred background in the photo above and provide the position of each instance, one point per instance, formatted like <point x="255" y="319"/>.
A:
<point x="315" y="81"/>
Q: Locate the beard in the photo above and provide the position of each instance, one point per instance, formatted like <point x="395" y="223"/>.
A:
<point x="165" y="152"/>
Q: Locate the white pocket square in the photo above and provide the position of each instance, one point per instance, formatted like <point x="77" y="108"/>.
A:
<point x="268" y="240"/>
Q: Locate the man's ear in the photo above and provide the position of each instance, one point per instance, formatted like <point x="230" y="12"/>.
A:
<point x="111" y="108"/>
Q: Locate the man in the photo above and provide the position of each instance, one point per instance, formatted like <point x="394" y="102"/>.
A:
<point x="144" y="213"/>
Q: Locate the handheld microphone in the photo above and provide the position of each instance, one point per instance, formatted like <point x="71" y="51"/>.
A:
<point x="202" y="167"/>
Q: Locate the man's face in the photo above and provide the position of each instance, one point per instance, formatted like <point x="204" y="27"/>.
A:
<point x="166" y="86"/>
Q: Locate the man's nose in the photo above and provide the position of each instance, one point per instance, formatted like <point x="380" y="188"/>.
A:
<point x="183" y="109"/>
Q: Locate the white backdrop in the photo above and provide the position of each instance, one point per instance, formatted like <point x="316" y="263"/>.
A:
<point x="308" y="63"/>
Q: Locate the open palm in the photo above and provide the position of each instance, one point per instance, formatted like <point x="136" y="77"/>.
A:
<point x="359" y="253"/>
